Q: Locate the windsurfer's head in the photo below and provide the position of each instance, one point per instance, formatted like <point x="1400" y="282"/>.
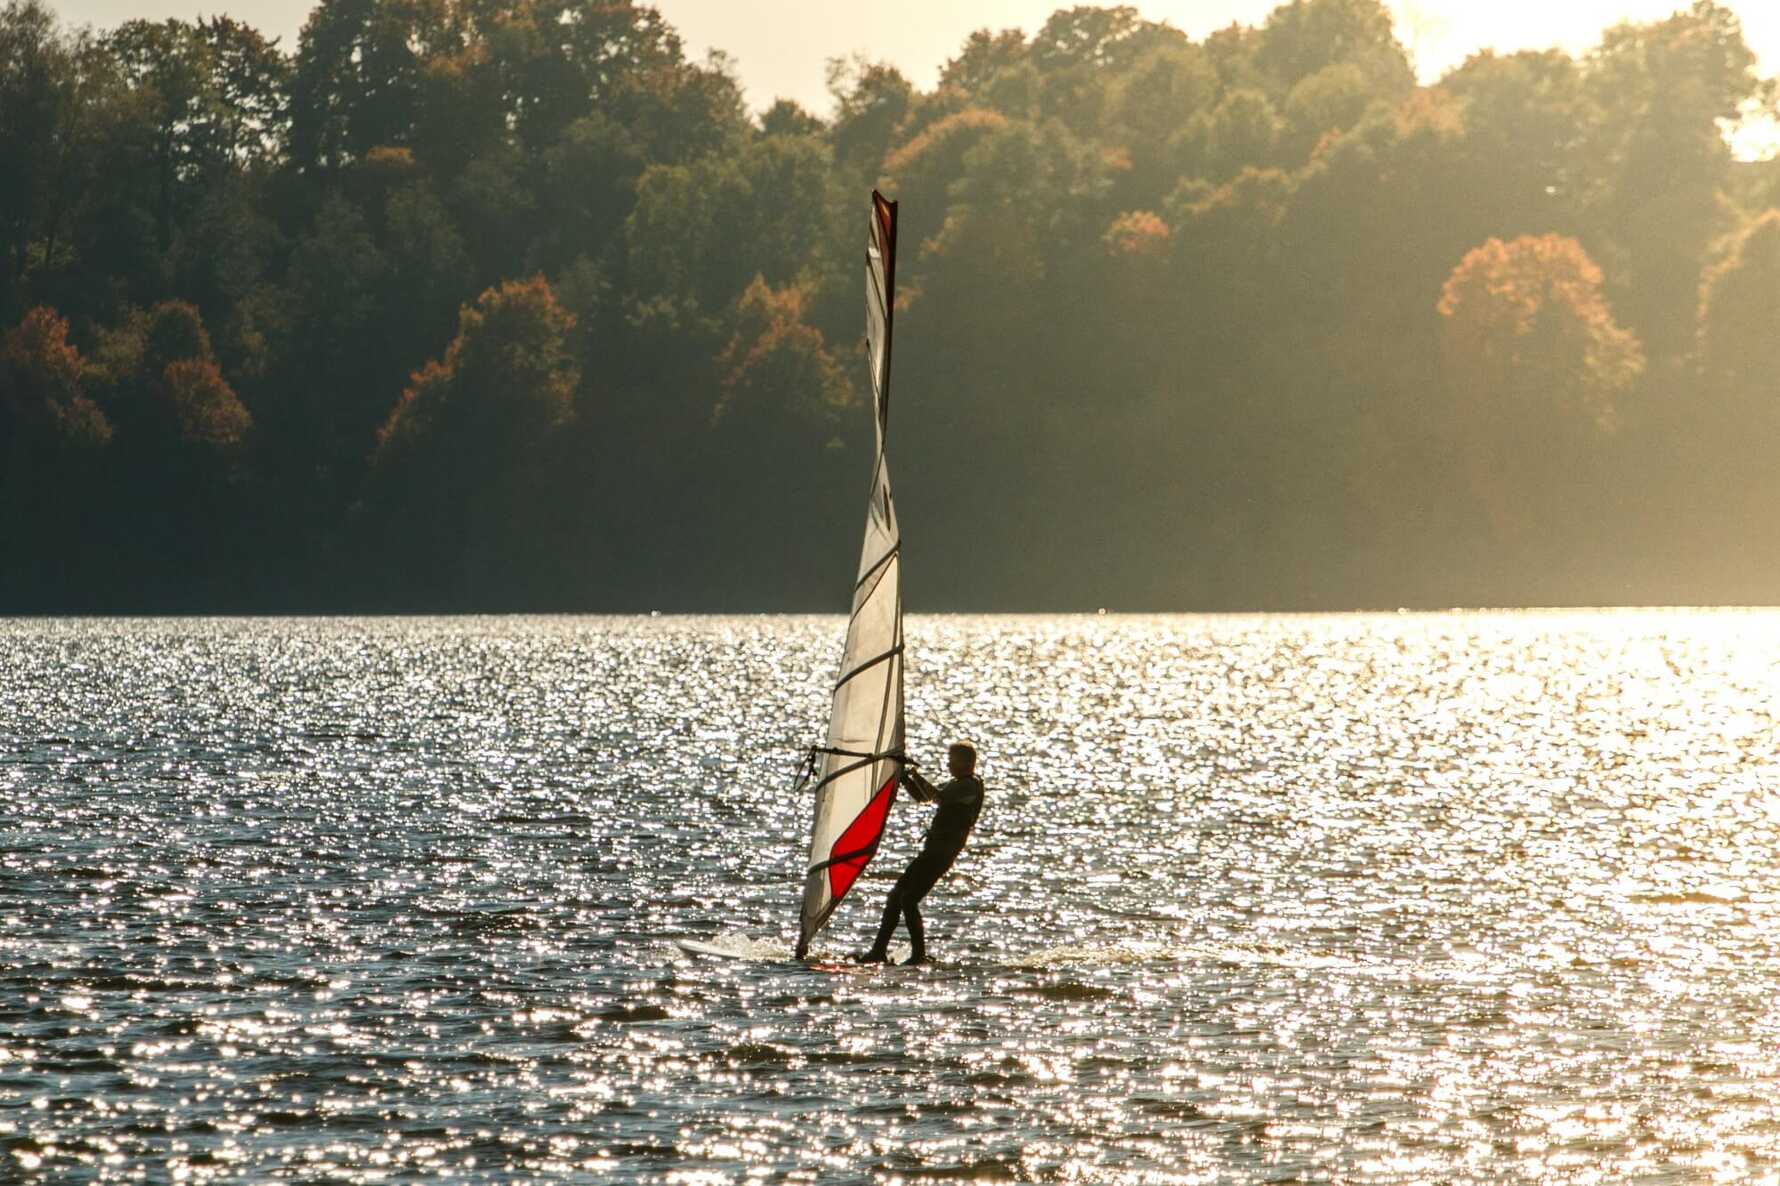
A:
<point x="961" y="759"/>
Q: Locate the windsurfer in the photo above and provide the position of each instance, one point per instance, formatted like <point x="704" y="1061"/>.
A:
<point x="960" y="801"/>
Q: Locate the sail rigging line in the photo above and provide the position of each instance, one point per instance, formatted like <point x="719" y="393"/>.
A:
<point x="842" y="770"/>
<point x="859" y="753"/>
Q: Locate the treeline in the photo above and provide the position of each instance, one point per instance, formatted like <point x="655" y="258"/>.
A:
<point x="508" y="304"/>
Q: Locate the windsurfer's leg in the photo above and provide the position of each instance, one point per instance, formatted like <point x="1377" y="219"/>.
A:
<point x="917" y="932"/>
<point x="924" y="872"/>
<point x="880" y="948"/>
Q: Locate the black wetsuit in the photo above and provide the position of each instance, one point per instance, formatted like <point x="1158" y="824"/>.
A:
<point x="960" y="802"/>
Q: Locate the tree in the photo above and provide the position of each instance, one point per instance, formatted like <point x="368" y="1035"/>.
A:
<point x="43" y="402"/>
<point x="564" y="60"/>
<point x="870" y="100"/>
<point x="699" y="232"/>
<point x="360" y="75"/>
<point x="53" y="439"/>
<point x="786" y="117"/>
<point x="167" y="67"/>
<point x="1739" y="313"/>
<point x="1535" y="364"/>
<point x="51" y="96"/>
<point x="1241" y="132"/>
<point x="251" y="79"/>
<point x="203" y="404"/>
<point x="1658" y="161"/>
<point x="334" y="371"/>
<point x="429" y="269"/>
<point x="777" y="367"/>
<point x="1306" y="36"/>
<point x="923" y="171"/>
<point x="1724" y="441"/>
<point x="465" y="459"/>
<point x="585" y="188"/>
<point x="167" y="394"/>
<point x="1524" y="116"/>
<point x="505" y="380"/>
<point x="984" y="56"/>
<point x="1325" y="104"/>
<point x="1077" y="53"/>
<point x="1163" y="90"/>
<point x="1526" y="320"/>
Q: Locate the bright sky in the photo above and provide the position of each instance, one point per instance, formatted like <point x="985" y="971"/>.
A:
<point x="780" y="47"/>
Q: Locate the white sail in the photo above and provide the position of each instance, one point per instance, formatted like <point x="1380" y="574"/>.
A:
<point x="858" y="770"/>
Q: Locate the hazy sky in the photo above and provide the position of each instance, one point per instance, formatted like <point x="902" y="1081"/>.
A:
<point x="780" y="46"/>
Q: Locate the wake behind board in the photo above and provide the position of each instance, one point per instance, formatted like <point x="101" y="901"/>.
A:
<point x="756" y="952"/>
<point x="694" y="947"/>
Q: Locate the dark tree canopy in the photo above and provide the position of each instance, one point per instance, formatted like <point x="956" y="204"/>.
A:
<point x="510" y="304"/>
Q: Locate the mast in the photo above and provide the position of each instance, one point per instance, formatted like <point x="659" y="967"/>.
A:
<point x="857" y="770"/>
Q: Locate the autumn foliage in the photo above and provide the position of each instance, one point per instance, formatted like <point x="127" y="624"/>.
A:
<point x="505" y="378"/>
<point x="42" y="389"/>
<point x="1526" y="319"/>
<point x="1138" y="233"/>
<point x="514" y="304"/>
<point x="203" y="404"/>
<point x="775" y="351"/>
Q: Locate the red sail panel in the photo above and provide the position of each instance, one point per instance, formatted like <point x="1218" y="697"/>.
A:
<point x="857" y="844"/>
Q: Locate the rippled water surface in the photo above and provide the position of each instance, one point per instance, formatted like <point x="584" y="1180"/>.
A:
<point x="1465" y="898"/>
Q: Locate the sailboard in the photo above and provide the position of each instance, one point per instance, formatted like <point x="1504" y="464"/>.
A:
<point x="856" y="772"/>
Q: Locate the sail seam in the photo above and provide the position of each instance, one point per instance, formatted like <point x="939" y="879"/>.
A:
<point x="867" y="665"/>
<point x="859" y="603"/>
<point x="845" y="857"/>
<point x="886" y="558"/>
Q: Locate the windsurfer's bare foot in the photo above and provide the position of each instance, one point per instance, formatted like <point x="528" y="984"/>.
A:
<point x="872" y="957"/>
<point x="914" y="961"/>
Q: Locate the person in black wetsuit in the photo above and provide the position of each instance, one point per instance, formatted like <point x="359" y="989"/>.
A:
<point x="960" y="802"/>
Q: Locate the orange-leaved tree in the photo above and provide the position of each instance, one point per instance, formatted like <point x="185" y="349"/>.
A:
<point x="43" y="403"/>
<point x="166" y="391"/>
<point x="777" y="364"/>
<point x="505" y="379"/>
<point x="464" y="464"/>
<point x="1525" y="319"/>
<point x="1536" y="365"/>
<point x="52" y="443"/>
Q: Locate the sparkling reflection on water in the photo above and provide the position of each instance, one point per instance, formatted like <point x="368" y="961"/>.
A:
<point x="1461" y="897"/>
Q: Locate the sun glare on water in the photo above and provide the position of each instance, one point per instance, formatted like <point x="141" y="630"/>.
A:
<point x="1369" y="898"/>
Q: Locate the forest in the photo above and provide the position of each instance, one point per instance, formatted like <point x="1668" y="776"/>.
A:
<point x="511" y="305"/>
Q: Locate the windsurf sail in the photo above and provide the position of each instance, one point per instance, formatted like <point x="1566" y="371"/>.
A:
<point x="856" y="772"/>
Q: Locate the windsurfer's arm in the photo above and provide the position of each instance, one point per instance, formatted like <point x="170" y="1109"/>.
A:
<point x="919" y="787"/>
<point x="957" y="790"/>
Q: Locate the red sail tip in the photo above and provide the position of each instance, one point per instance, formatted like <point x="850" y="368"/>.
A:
<point x="885" y="211"/>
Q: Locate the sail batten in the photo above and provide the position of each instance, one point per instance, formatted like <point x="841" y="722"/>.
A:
<point x="861" y="764"/>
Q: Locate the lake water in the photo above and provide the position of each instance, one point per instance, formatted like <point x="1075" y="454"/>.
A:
<point x="1396" y="898"/>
